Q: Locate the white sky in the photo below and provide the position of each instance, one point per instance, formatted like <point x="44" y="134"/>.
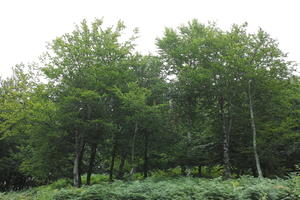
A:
<point x="26" y="25"/>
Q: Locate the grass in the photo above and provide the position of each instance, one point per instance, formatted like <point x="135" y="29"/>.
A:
<point x="160" y="188"/>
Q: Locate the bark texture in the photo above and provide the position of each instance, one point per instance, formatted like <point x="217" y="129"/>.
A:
<point x="91" y="163"/>
<point x="121" y="166"/>
<point x="132" y="171"/>
<point x="79" y="148"/>
<point x="256" y="157"/>
<point x="226" y="128"/>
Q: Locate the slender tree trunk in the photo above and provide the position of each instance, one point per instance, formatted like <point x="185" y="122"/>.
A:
<point x="121" y="166"/>
<point x="91" y="163"/>
<point x="146" y="155"/>
<point x="132" y="171"/>
<point x="189" y="137"/>
<point x="79" y="147"/>
<point x="80" y="162"/>
<point x="76" y="163"/>
<point x="188" y="152"/>
<point x="112" y="163"/>
<point x="226" y="159"/>
<point x="257" y="162"/>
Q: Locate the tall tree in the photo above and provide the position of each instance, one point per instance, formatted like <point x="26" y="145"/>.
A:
<point x="213" y="69"/>
<point x="194" y="54"/>
<point x="86" y="64"/>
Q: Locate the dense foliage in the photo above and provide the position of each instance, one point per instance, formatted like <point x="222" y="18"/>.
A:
<point x="244" y="188"/>
<point x="211" y="99"/>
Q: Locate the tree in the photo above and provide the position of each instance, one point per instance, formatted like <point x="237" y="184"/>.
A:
<point x="194" y="54"/>
<point x="210" y="98"/>
<point x="85" y="65"/>
<point x="16" y="103"/>
<point x="214" y="70"/>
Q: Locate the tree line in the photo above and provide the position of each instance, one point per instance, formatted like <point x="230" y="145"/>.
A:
<point x="209" y="97"/>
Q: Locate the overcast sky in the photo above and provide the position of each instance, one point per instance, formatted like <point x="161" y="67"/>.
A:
<point x="26" y="25"/>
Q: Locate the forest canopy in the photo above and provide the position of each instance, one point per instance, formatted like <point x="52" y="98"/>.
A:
<point x="209" y="99"/>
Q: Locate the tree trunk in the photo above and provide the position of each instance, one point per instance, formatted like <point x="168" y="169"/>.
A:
<point x="79" y="148"/>
<point x="112" y="163"/>
<point x="76" y="163"/>
<point x="188" y="152"/>
<point x="226" y="132"/>
<point x="146" y="155"/>
<point x="91" y="163"/>
<point x="121" y="166"/>
<point x="226" y="158"/>
<point x="132" y="171"/>
<point x="259" y="171"/>
<point x="188" y="170"/>
<point x="80" y="162"/>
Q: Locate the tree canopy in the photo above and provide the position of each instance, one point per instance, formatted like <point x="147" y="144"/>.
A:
<point x="210" y="99"/>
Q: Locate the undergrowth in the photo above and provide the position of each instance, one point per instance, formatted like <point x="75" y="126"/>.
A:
<point x="158" y="188"/>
